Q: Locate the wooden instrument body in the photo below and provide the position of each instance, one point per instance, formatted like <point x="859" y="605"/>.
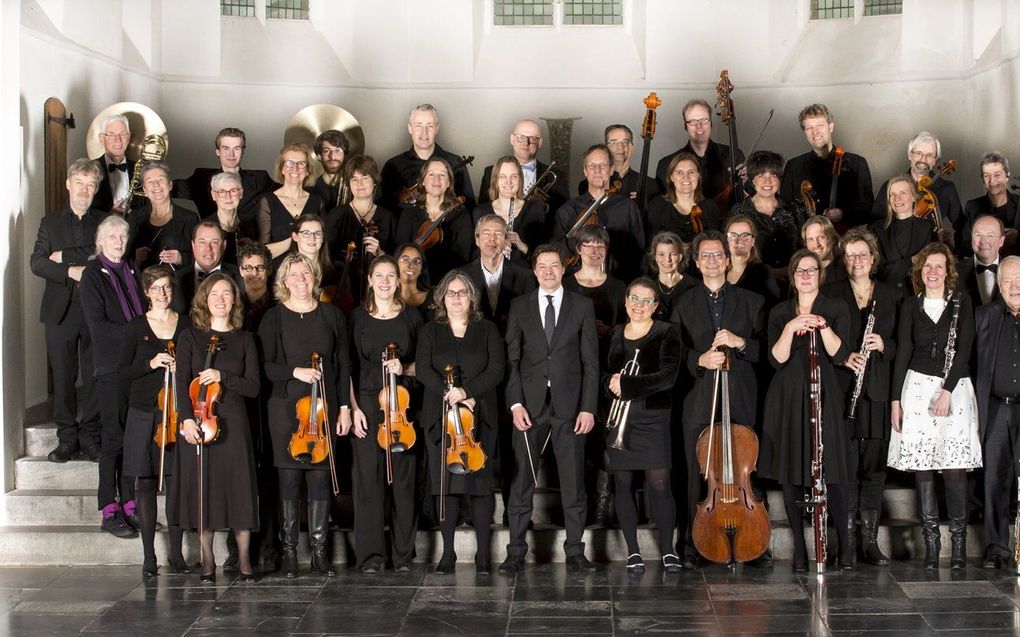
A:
<point x="204" y="398"/>
<point x="430" y="233"/>
<point x="464" y="454"/>
<point x="310" y="441"/>
<point x="166" y="407"/>
<point x="396" y="433"/>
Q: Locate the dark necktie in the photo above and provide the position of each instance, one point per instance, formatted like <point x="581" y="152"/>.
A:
<point x="981" y="269"/>
<point x="120" y="167"/>
<point x="550" y="319"/>
<point x="201" y="275"/>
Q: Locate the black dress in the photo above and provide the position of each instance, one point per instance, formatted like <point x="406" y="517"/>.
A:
<point x="663" y="215"/>
<point x="668" y="296"/>
<point x="229" y="487"/>
<point x="897" y="245"/>
<point x="530" y="222"/>
<point x="275" y="220"/>
<point x="608" y="301"/>
<point x="288" y="340"/>
<point x="759" y="278"/>
<point x="343" y="227"/>
<point x="452" y="252"/>
<point x="175" y="234"/>
<point x="786" y="437"/>
<point x="479" y="358"/>
<point x="141" y="455"/>
<point x="778" y="233"/>
<point x="646" y="442"/>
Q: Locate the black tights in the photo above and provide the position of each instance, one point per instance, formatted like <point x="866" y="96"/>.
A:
<point x="949" y="476"/>
<point x="317" y="481"/>
<point x="838" y="510"/>
<point x="482" y="507"/>
<point x="663" y="507"/>
<point x="145" y="497"/>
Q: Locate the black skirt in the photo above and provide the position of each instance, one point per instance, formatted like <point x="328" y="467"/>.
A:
<point x="141" y="455"/>
<point x="646" y="443"/>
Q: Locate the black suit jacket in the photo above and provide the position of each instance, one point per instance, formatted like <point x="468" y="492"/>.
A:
<point x="894" y="266"/>
<point x="198" y="189"/>
<point x="559" y="194"/>
<point x="967" y="281"/>
<point x="743" y="314"/>
<point x="1009" y="214"/>
<point x="987" y="324"/>
<point x="568" y="369"/>
<point x="514" y="282"/>
<point x="104" y="194"/>
<point x="56" y="232"/>
<point x="185" y="284"/>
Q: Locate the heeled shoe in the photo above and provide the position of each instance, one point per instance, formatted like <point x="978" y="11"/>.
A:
<point x="246" y="577"/>
<point x="447" y="565"/>
<point x="208" y="578"/>
<point x="149" y="568"/>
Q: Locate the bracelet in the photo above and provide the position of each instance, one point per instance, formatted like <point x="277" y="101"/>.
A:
<point x="823" y="326"/>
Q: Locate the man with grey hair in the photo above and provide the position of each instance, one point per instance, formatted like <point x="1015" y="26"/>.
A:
<point x="65" y="242"/>
<point x="112" y="193"/>
<point x="924" y="152"/>
<point x="997" y="201"/>
<point x="402" y="171"/>
<point x="525" y="142"/>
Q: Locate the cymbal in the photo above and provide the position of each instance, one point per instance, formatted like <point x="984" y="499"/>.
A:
<point x="142" y="120"/>
<point x="312" y="121"/>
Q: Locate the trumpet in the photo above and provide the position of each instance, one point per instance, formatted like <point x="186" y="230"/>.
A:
<point x="539" y="190"/>
<point x="616" y="423"/>
<point x="153" y="149"/>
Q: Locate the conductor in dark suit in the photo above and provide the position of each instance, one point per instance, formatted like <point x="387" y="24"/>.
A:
<point x="997" y="325"/>
<point x="207" y="246"/>
<point x="115" y="182"/>
<point x="552" y="391"/>
<point x="977" y="273"/>
<point x="64" y="244"/>
<point x="712" y="315"/>
<point x="499" y="280"/>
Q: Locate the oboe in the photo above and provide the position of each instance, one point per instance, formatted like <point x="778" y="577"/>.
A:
<point x="869" y="327"/>
<point x="510" y="218"/>
<point x="818" y="501"/>
<point x="950" y="351"/>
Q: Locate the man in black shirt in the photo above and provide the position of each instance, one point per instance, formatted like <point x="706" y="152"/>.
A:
<point x="997" y="201"/>
<point x="66" y="240"/>
<point x="403" y="170"/>
<point x="332" y="147"/>
<point x="854" y="196"/>
<point x="714" y="158"/>
<point x="620" y="142"/>
<point x="526" y="140"/>
<point x="997" y="326"/>
<point x="229" y="145"/>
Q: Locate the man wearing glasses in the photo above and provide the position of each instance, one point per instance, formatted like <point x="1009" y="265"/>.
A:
<point x="714" y="158"/>
<point x="525" y="142"/>
<point x="618" y="215"/>
<point x="112" y="194"/>
<point x="620" y="142"/>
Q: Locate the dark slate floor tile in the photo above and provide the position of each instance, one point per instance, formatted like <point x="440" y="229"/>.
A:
<point x="97" y="591"/>
<point x="565" y="594"/>
<point x="17" y="624"/>
<point x="242" y="593"/>
<point x="965" y="604"/>
<point x="370" y="595"/>
<point x="704" y="624"/>
<point x="556" y="574"/>
<point x="745" y="591"/>
<point x="973" y="621"/>
<point x="875" y="605"/>
<point x="763" y="607"/>
<point x="63" y="607"/>
<point x="561" y="625"/>
<point x="562" y="609"/>
<point x="148" y="618"/>
<point x="450" y="623"/>
<point x="252" y="615"/>
<point x="30" y="576"/>
<point x="906" y="621"/>
<point x="152" y="593"/>
<point x="765" y="624"/>
<point x="345" y="619"/>
<point x="949" y="589"/>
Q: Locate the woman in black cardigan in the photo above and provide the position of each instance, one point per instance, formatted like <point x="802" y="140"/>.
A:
<point x="160" y="231"/>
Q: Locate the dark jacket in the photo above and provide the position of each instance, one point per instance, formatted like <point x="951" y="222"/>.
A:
<point x="57" y="232"/>
<point x="987" y="324"/>
<point x="514" y="282"/>
<point x="185" y="284"/>
<point x="104" y="315"/>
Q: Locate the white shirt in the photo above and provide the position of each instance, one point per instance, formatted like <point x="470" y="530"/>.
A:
<point x="985" y="280"/>
<point x="530" y="172"/>
<point x="119" y="181"/>
<point x="557" y="302"/>
<point x="492" y="280"/>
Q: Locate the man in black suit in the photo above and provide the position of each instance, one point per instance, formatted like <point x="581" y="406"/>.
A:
<point x="997" y="201"/>
<point x="710" y="316"/>
<point x="207" y="246"/>
<point x="552" y="392"/>
<point x="229" y="145"/>
<point x="526" y="140"/>
<point x="997" y="326"/>
<point x="112" y="193"/>
<point x="499" y="280"/>
<point x="977" y="273"/>
<point x="65" y="242"/>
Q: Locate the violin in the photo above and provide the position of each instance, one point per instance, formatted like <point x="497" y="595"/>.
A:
<point x="396" y="433"/>
<point x="590" y="217"/>
<point x="697" y="223"/>
<point x="166" y="403"/>
<point x="731" y="524"/>
<point x="430" y="233"/>
<point x="341" y="294"/>
<point x="204" y="399"/>
<point x="310" y="441"/>
<point x="651" y="103"/>
<point x="728" y="116"/>
<point x="463" y="453"/>
<point x="927" y="203"/>
<point x="414" y="193"/>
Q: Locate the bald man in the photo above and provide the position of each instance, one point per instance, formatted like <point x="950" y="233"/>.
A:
<point x="525" y="141"/>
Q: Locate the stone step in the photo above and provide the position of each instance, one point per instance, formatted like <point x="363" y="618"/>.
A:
<point x="87" y="545"/>
<point x="36" y="472"/>
<point x="62" y="507"/>
<point x="40" y="439"/>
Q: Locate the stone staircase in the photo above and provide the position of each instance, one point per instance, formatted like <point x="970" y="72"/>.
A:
<point x="51" y="518"/>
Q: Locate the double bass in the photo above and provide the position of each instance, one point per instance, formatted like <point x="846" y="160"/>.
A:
<point x="651" y="103"/>
<point x="166" y="403"/>
<point x="731" y="524"/>
<point x="396" y="433"/>
<point x="728" y="116"/>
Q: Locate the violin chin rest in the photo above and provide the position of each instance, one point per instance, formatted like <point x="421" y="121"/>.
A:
<point x="457" y="468"/>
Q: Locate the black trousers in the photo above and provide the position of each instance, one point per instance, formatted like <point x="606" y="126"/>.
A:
<point x="113" y="411"/>
<point x="694" y="492"/>
<point x="69" y="347"/>
<point x="867" y="459"/>
<point x="1000" y="448"/>
<point x="568" y="448"/>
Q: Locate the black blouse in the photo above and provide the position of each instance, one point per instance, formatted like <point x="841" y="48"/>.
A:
<point x="921" y="343"/>
<point x="663" y="215"/>
<point x="452" y="252"/>
<point x="275" y="221"/>
<point x="140" y="345"/>
<point x="370" y="337"/>
<point x="175" y="234"/>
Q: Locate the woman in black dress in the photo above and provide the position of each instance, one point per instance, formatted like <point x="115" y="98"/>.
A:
<point x="667" y="258"/>
<point x="226" y="191"/>
<point x="454" y="250"/>
<point x="415" y="290"/>
<point x="869" y="429"/>
<point x="593" y="282"/>
<point x="145" y="360"/>
<point x="382" y="319"/>
<point x="901" y="235"/>
<point x="459" y="336"/>
<point x="746" y="268"/>
<point x="228" y="484"/>
<point x="675" y="211"/>
<point x="786" y="437"/>
<point x="277" y="210"/>
<point x="526" y="228"/>
<point x="291" y="332"/>
<point x="776" y="222"/>
<point x="646" y="438"/>
<point x="160" y="231"/>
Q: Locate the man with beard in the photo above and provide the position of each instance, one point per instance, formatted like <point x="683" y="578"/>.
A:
<point x="332" y="147"/>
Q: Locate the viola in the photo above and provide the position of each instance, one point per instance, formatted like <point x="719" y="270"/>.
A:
<point x="310" y="441"/>
<point x="464" y="454"/>
<point x="341" y="294"/>
<point x="166" y="403"/>
<point x="205" y="398"/>
<point x="697" y="222"/>
<point x="728" y="116"/>
<point x="396" y="433"/>
<point x="590" y="217"/>
<point x="651" y="103"/>
<point x="430" y="233"/>
<point x="414" y="193"/>
<point x="927" y="203"/>
<point x="731" y="524"/>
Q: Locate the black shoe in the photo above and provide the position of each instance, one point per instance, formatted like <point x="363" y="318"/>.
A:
<point x="671" y="563"/>
<point x="373" y="565"/>
<point x="230" y="565"/>
<point x="483" y="567"/>
<point x="580" y="564"/>
<point x="246" y="577"/>
<point x="800" y="565"/>
<point x="635" y="563"/>
<point x="208" y="578"/>
<point x="402" y="567"/>
<point x="90" y="453"/>
<point x="64" y="452"/>
<point x="177" y="566"/>
<point x="993" y="560"/>
<point x="764" y="560"/>
<point x="116" y="526"/>
<point x="134" y="521"/>
<point x="289" y="562"/>
<point x="149" y="568"/>
<point x="447" y="565"/>
<point x="512" y="565"/>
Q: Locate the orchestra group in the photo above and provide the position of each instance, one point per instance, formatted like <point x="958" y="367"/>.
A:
<point x="665" y="334"/>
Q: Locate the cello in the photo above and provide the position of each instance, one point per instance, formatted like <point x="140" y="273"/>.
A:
<point x="728" y="116"/>
<point x="651" y="102"/>
<point x="731" y="524"/>
<point x="166" y="403"/>
<point x="396" y="433"/>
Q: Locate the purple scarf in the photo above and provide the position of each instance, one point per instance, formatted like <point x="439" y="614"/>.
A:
<point x="125" y="286"/>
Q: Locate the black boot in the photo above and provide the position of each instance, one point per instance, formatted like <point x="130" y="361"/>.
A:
<point x="289" y="537"/>
<point x="318" y="531"/>
<point x="929" y="523"/>
<point x="956" y="506"/>
<point x="851" y="533"/>
<point x="870" y="553"/>
<point x="603" y="499"/>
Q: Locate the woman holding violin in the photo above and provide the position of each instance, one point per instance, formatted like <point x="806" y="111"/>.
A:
<point x="525" y="218"/>
<point x="439" y="224"/>
<point x="213" y="486"/>
<point x="305" y="345"/>
<point x="900" y="235"/>
<point x="683" y="210"/>
<point x="148" y="370"/>
<point x="643" y="362"/>
<point x="460" y="361"/>
<point x="415" y="290"/>
<point x="383" y="319"/>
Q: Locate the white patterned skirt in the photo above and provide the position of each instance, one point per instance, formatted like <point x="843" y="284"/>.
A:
<point x="928" y="442"/>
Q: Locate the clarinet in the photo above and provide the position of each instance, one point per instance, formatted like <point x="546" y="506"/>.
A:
<point x="869" y="327"/>
<point x="818" y="500"/>
<point x="510" y="218"/>
<point x="951" y="340"/>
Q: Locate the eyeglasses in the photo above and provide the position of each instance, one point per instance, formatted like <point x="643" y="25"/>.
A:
<point x="704" y="121"/>
<point x="619" y="142"/>
<point x="312" y="234"/>
<point x="599" y="166"/>
<point x="528" y="139"/>
<point x="117" y="135"/>
<point x="410" y="260"/>
<point x="740" y="236"/>
<point x="457" y="294"/>
<point x="806" y="271"/>
<point x="290" y="163"/>
<point x="232" y="192"/>
<point x="858" y="256"/>
<point x="640" y="300"/>
<point x="921" y="155"/>
<point x="597" y="247"/>
<point x="166" y="289"/>
<point x="248" y="269"/>
<point x="711" y="256"/>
